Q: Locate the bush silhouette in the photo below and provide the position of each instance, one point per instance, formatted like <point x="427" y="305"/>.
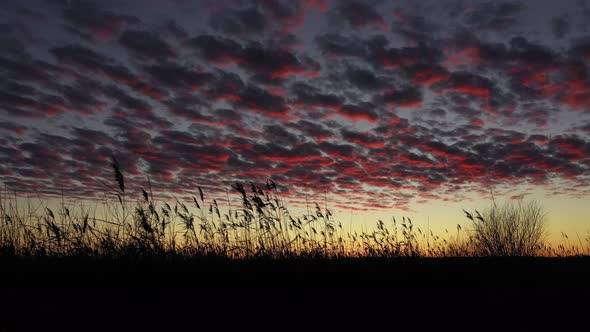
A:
<point x="515" y="228"/>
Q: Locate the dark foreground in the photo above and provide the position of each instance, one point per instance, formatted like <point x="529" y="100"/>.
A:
<point x="147" y="290"/>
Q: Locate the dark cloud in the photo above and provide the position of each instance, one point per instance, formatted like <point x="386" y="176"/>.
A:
<point x="468" y="84"/>
<point x="494" y="15"/>
<point x="406" y="97"/>
<point x="531" y="54"/>
<point x="87" y="60"/>
<point x="239" y="21"/>
<point x="188" y="107"/>
<point x="80" y="55"/>
<point x="276" y="63"/>
<point x="427" y="74"/>
<point x="125" y="100"/>
<point x="19" y="106"/>
<point x="363" y="139"/>
<point x="286" y="41"/>
<point x="584" y="127"/>
<point x="339" y="151"/>
<point x="307" y="95"/>
<point x="581" y="48"/>
<point x="177" y="77"/>
<point x="381" y="56"/>
<point x="363" y="111"/>
<point x="12" y="47"/>
<point x="218" y="50"/>
<point x="226" y="86"/>
<point x="18" y="88"/>
<point x="89" y="17"/>
<point x="13" y="128"/>
<point x="146" y="45"/>
<point x="289" y="15"/>
<point x="26" y="13"/>
<point x="281" y="134"/>
<point x="25" y="70"/>
<point x="538" y="115"/>
<point x="225" y="116"/>
<point x="137" y="107"/>
<point x="560" y="26"/>
<point x="340" y="45"/>
<point x="260" y="101"/>
<point x="172" y="29"/>
<point x="314" y="130"/>
<point x="364" y="79"/>
<point x="83" y="96"/>
<point x="92" y="136"/>
<point x="264" y="62"/>
<point x="298" y="155"/>
<point x="358" y="14"/>
<point x="571" y="148"/>
<point x="415" y="28"/>
<point x="437" y="112"/>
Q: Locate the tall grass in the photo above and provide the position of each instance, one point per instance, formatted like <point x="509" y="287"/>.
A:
<point x="261" y="226"/>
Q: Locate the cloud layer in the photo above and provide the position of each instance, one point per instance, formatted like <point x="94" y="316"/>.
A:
<point x="379" y="104"/>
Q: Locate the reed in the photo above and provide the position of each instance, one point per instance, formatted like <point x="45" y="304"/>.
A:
<point x="261" y="226"/>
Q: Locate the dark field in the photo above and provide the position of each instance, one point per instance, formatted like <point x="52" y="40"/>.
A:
<point x="174" y="291"/>
<point x="496" y="279"/>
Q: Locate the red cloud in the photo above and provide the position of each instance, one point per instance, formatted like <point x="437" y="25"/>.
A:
<point x="472" y="168"/>
<point x="478" y="91"/>
<point x="575" y="149"/>
<point x="289" y="70"/>
<point x="320" y="5"/>
<point x="109" y="28"/>
<point x="427" y="77"/>
<point x="393" y="61"/>
<point x="357" y="113"/>
<point x="465" y="56"/>
<point x="476" y="123"/>
<point x="577" y="94"/>
<point x="441" y="150"/>
<point x="358" y="116"/>
<point x="364" y="139"/>
<point x="414" y="160"/>
<point x="282" y="113"/>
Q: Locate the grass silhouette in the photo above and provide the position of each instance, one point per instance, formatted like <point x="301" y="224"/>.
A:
<point x="262" y="227"/>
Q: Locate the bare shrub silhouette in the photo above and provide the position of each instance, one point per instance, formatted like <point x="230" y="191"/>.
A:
<point x="514" y="228"/>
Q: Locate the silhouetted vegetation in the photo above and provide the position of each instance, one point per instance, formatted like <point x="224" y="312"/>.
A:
<point x="261" y="227"/>
<point x="511" y="229"/>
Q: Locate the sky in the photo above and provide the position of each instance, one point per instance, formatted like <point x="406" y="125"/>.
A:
<point x="373" y="107"/>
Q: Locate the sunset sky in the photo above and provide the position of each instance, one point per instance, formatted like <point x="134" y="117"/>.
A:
<point x="378" y="108"/>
